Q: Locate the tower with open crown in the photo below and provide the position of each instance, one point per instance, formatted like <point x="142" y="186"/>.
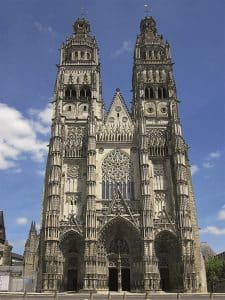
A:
<point x="118" y="210"/>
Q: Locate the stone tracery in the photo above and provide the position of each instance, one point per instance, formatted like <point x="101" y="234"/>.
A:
<point x="117" y="174"/>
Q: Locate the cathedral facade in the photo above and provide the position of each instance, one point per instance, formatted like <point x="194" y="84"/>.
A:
<point x="118" y="211"/>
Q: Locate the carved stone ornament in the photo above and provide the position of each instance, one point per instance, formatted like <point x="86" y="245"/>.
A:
<point x="117" y="167"/>
<point x="73" y="171"/>
<point x="180" y="144"/>
<point x="101" y="150"/>
<point x="158" y="170"/>
<point x="156" y="136"/>
<point x="160" y="196"/>
<point x="75" y="136"/>
<point x="71" y="198"/>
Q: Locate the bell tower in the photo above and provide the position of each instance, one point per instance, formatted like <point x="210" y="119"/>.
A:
<point x="168" y="208"/>
<point x="69" y="192"/>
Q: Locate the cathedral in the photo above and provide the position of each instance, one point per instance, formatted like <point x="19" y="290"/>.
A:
<point x="118" y="210"/>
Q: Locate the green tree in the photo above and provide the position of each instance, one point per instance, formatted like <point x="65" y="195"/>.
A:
<point x="215" y="270"/>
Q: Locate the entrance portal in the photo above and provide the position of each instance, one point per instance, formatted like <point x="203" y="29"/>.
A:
<point x="168" y="253"/>
<point x="125" y="279"/>
<point x="165" y="279"/>
<point x="113" y="279"/>
<point x="72" y="280"/>
<point x="72" y="247"/>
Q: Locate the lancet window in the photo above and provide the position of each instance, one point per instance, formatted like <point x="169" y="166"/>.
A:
<point x="70" y="93"/>
<point x="117" y="174"/>
<point x="85" y="92"/>
<point x="149" y="93"/>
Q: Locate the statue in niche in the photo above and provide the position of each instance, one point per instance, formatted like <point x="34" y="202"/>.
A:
<point x="150" y="76"/>
<point x="85" y="78"/>
<point x="157" y="75"/>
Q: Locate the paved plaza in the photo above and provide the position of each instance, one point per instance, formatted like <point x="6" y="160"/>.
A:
<point x="111" y="296"/>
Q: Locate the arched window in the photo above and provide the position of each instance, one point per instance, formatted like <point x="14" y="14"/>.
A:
<point x="164" y="93"/>
<point x="117" y="175"/>
<point x="159" y="93"/>
<point x="88" y="55"/>
<point x="82" y="93"/>
<point x="146" y="93"/>
<point x="67" y="93"/>
<point x="85" y="92"/>
<point x="151" y="93"/>
<point x="70" y="93"/>
<point x="143" y="55"/>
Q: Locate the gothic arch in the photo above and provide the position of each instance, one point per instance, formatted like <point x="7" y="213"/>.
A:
<point x="168" y="252"/>
<point x="119" y="219"/>
<point x="72" y="249"/>
<point x="120" y="247"/>
<point x="71" y="232"/>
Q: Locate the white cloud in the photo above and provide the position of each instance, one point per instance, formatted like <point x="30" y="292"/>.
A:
<point x="194" y="169"/>
<point x="42" y="119"/>
<point x="221" y="214"/>
<point x="213" y="230"/>
<point x="44" y="29"/>
<point x="207" y="165"/>
<point x="21" y="220"/>
<point x="44" y="115"/>
<point x="210" y="159"/>
<point x="214" y="155"/>
<point x="19" y="136"/>
<point x="125" y="47"/>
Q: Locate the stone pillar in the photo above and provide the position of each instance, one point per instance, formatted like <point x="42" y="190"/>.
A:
<point x="51" y="210"/>
<point x="90" y="257"/>
<point x="184" y="212"/>
<point x="150" y="269"/>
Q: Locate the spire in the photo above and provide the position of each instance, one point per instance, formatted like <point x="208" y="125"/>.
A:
<point x="32" y="228"/>
<point x="2" y="228"/>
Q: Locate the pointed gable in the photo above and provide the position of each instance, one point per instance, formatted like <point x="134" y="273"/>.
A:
<point x="118" y="113"/>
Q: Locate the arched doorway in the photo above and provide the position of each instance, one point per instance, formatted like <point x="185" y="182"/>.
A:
<point x="123" y="254"/>
<point x="168" y="253"/>
<point x="72" y="247"/>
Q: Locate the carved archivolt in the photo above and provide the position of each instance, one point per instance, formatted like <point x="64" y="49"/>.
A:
<point x="117" y="167"/>
<point x="119" y="246"/>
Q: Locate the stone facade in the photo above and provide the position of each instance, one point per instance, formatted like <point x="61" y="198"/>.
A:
<point x="5" y="248"/>
<point x="118" y="209"/>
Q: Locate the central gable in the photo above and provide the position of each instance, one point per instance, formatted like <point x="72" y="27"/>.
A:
<point x="118" y="114"/>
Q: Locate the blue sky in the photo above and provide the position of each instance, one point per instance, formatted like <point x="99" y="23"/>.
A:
<point x="31" y="32"/>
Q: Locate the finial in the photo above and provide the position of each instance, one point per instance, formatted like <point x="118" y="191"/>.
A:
<point x="83" y="12"/>
<point x="147" y="8"/>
